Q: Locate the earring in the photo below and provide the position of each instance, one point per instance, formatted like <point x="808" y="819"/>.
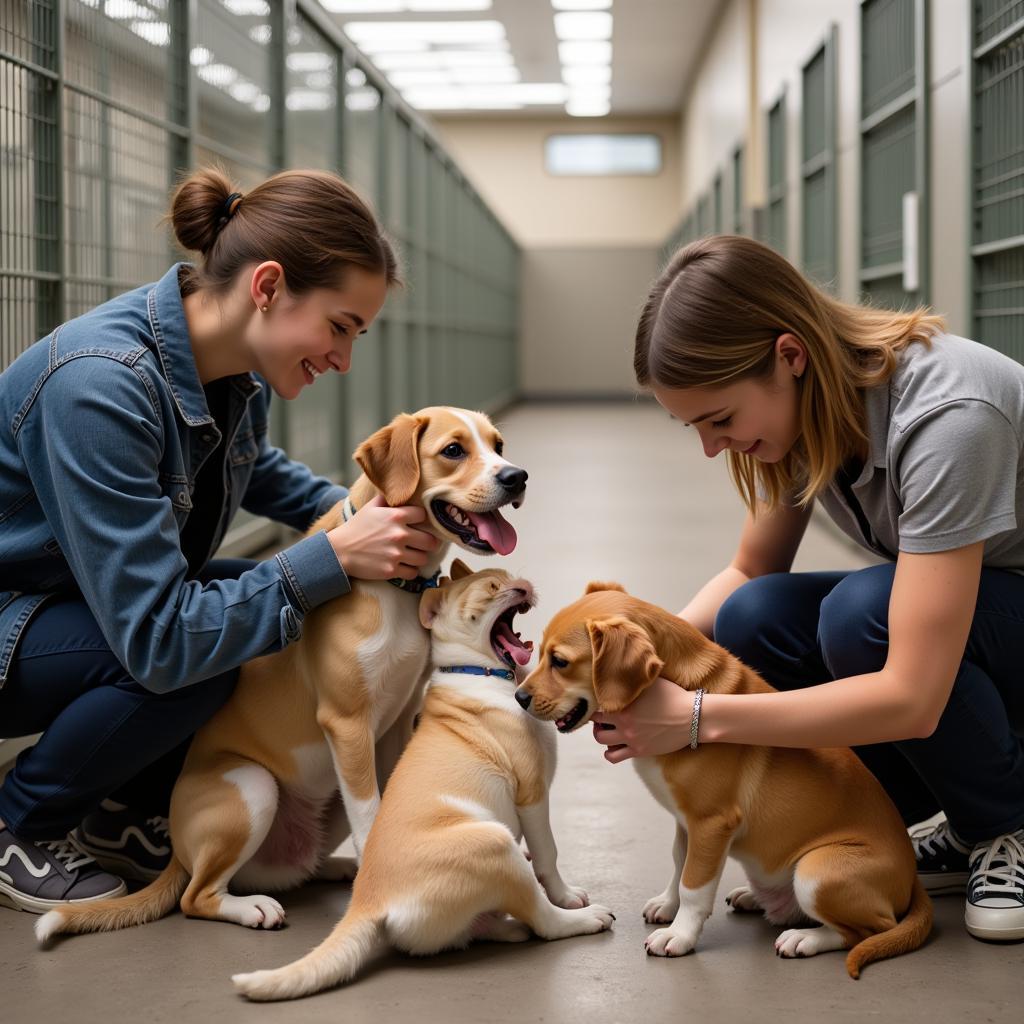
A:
<point x="264" y="309"/>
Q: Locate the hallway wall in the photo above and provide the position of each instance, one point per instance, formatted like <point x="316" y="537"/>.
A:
<point x="590" y="245"/>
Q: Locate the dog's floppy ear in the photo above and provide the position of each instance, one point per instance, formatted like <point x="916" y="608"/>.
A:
<point x="625" y="662"/>
<point x="430" y="604"/>
<point x="391" y="460"/>
<point x="460" y="570"/>
<point x="595" y="585"/>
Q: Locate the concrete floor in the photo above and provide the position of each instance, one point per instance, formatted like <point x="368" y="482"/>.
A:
<point x="616" y="492"/>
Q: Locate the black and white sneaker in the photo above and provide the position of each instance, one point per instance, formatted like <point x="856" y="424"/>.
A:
<point x="41" y="876"/>
<point x="942" y="857"/>
<point x="995" y="892"/>
<point x="118" y="840"/>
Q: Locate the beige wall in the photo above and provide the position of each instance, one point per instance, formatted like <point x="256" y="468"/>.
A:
<point x="590" y="245"/>
<point x="778" y="37"/>
<point x="504" y="158"/>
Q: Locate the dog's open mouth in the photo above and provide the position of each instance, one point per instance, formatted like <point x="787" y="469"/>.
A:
<point x="572" y="718"/>
<point x="507" y="643"/>
<point x="482" y="531"/>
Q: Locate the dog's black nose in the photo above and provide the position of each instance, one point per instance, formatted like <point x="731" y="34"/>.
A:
<point x="512" y="478"/>
<point x="523" y="698"/>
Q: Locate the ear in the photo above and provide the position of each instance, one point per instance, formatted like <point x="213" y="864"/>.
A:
<point x="625" y="661"/>
<point x="460" y="570"/>
<point x="391" y="460"/>
<point x="595" y="585"/>
<point x="430" y="604"/>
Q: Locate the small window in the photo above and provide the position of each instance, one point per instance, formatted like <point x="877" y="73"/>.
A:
<point x="602" y="154"/>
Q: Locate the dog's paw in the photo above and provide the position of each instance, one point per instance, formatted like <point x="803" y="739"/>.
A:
<point x="742" y="899"/>
<point x="598" y="918"/>
<point x="669" y="942"/>
<point x="572" y="897"/>
<point x="662" y="909"/>
<point x="252" y="911"/>
<point x="802" y="942"/>
<point x="337" y="869"/>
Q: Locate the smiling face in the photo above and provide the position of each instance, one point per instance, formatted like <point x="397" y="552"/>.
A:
<point x="472" y="618"/>
<point x="757" y="417"/>
<point x="299" y="338"/>
<point x="451" y="462"/>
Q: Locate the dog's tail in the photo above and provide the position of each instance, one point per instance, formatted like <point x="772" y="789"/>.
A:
<point x="148" y="904"/>
<point x="356" y="937"/>
<point x="905" y="937"/>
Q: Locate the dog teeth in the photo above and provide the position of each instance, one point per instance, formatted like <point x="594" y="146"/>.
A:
<point x="459" y="516"/>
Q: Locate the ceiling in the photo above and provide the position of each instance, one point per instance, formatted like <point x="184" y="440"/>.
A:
<point x="655" y="45"/>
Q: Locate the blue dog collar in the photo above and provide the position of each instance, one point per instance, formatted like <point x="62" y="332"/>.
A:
<point x="476" y="670"/>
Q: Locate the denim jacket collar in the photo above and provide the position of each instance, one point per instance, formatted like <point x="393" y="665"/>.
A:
<point x="170" y="331"/>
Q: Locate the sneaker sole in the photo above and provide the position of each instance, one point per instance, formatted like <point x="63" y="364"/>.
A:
<point x="951" y="883"/>
<point x="17" y="900"/>
<point x="996" y="934"/>
<point x="116" y="863"/>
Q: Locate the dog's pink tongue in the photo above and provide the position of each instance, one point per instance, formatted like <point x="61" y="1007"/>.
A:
<point x="521" y="653"/>
<point x="495" y="529"/>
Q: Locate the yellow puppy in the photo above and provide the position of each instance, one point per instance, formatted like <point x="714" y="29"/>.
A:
<point x="815" y="832"/>
<point x="256" y="806"/>
<point x="442" y="865"/>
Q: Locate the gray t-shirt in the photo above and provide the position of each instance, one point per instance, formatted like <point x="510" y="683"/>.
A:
<point x="944" y="468"/>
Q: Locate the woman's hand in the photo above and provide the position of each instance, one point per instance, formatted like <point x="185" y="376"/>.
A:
<point x="657" y="722"/>
<point x="382" y="543"/>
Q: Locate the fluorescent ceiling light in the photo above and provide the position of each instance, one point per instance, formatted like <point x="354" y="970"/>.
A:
<point x="591" y="92"/>
<point x="262" y="103"/>
<point x="355" y="77"/>
<point x="583" y="25"/>
<point x="219" y="75"/>
<point x="248" y="8"/>
<point x="313" y="60"/>
<point x="381" y="35"/>
<point x="244" y="92"/>
<point x="587" y="74"/>
<point x="456" y="99"/>
<point x="589" y="52"/>
<point x="443" y="59"/>
<point x="309" y="99"/>
<point x="490" y="75"/>
<point x="587" y="108"/>
<point x="200" y="55"/>
<point x="122" y="10"/>
<point x="581" y="5"/>
<point x="399" y="6"/>
<point x="473" y="96"/>
<point x="362" y="99"/>
<point x="431" y="76"/>
<point x="156" y="32"/>
<point x="260" y="34"/>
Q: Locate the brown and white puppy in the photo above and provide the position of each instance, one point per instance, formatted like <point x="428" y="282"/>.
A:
<point x="442" y="865"/>
<point x="256" y="806"/>
<point x="816" y="833"/>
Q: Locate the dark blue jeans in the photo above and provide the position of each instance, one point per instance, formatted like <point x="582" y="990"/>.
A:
<point x="798" y="629"/>
<point x="102" y="733"/>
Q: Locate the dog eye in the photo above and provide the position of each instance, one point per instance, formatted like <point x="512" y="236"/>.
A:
<point x="453" y="451"/>
<point x="557" y="662"/>
<point x="499" y="448"/>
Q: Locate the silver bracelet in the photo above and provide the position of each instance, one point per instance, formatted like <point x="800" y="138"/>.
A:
<point x="698" y="696"/>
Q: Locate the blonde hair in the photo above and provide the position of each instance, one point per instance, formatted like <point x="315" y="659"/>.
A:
<point x="713" y="317"/>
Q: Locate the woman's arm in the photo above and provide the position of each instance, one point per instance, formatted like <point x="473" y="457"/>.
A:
<point x="768" y="544"/>
<point x="930" y="613"/>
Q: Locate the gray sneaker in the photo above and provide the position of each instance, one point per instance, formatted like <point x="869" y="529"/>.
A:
<point x="39" y="876"/>
<point x="119" y="840"/>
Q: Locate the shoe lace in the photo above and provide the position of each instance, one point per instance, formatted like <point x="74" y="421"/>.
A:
<point x="160" y="825"/>
<point x="67" y="853"/>
<point x="935" y="839"/>
<point x="1002" y="864"/>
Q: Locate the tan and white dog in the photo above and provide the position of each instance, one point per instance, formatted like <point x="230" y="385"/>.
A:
<point x="817" y="835"/>
<point x="256" y="806"/>
<point x="442" y="865"/>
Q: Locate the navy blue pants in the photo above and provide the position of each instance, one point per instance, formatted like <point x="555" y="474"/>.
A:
<point x="798" y="629"/>
<point x="102" y="733"/>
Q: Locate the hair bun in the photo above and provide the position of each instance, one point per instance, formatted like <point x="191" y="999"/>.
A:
<point x="202" y="204"/>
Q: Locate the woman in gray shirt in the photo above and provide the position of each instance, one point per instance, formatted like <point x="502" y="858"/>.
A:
<point x="911" y="440"/>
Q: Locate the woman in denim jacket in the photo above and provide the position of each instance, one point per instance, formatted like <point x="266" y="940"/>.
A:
<point x="128" y="439"/>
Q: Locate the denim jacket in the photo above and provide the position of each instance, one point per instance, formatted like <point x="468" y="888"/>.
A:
<point x="104" y="426"/>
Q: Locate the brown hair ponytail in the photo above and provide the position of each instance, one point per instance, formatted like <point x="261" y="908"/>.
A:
<point x="311" y="222"/>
